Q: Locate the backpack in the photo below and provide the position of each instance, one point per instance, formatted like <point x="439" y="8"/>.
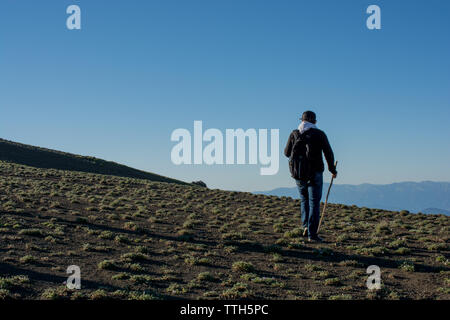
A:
<point x="299" y="164"/>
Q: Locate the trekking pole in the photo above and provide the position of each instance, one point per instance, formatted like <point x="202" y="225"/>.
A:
<point x="326" y="200"/>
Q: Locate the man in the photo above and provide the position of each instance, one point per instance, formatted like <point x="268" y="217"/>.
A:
<point x="309" y="178"/>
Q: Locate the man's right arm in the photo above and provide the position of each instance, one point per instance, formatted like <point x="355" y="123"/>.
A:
<point x="329" y="155"/>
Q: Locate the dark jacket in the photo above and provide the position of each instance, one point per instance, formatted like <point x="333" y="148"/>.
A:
<point x="318" y="143"/>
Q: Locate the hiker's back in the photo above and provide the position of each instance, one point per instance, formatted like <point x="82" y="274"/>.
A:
<point x="305" y="153"/>
<point x="317" y="142"/>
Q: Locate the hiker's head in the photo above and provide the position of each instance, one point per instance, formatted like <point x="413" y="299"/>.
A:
<point x="309" y="116"/>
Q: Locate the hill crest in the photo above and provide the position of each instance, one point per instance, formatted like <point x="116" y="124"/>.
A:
<point x="44" y="158"/>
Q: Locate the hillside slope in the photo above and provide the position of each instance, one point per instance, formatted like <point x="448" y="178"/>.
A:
<point x="45" y="158"/>
<point x="139" y="239"/>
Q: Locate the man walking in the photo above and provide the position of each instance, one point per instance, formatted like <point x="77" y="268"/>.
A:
<point x="304" y="149"/>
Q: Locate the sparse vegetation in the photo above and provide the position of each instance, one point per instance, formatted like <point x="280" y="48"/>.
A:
<point x="242" y="266"/>
<point x="141" y="239"/>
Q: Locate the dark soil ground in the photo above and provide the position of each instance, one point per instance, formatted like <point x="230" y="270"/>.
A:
<point x="137" y="239"/>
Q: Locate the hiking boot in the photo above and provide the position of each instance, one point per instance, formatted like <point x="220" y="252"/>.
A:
<point x="305" y="232"/>
<point x="315" y="239"/>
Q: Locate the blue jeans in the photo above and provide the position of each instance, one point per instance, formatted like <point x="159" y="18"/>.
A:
<point x="310" y="195"/>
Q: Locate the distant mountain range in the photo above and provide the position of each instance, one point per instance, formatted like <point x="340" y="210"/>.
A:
<point x="425" y="197"/>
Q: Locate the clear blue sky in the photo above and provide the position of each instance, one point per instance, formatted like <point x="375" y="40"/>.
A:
<point x="140" y="69"/>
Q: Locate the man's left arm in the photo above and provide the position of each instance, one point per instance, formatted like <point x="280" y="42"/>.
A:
<point x="288" y="148"/>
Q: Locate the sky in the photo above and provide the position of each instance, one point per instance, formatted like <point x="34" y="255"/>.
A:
<point x="138" y="70"/>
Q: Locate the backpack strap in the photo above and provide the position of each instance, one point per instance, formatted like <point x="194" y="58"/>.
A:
<point x="296" y="134"/>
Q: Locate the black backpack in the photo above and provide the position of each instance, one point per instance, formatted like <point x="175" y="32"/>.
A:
<point x="299" y="163"/>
